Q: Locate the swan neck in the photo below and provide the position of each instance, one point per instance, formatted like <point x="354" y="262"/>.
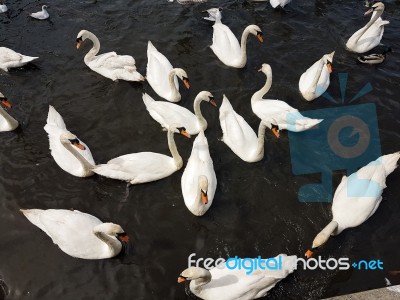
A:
<point x="325" y="233"/>
<point x="113" y="244"/>
<point x="196" y="284"/>
<point x="318" y="75"/>
<point x="174" y="150"/>
<point x="96" y="46"/>
<point x="87" y="167"/>
<point x="265" y="89"/>
<point x="261" y="135"/>
<point x="175" y="96"/>
<point x="375" y="16"/>
<point x="243" y="48"/>
<point x="197" y="111"/>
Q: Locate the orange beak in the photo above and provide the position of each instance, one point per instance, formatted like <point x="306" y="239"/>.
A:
<point x="181" y="279"/>
<point x="123" y="237"/>
<point x="329" y="66"/>
<point x="78" y="44"/>
<point x="183" y="132"/>
<point x="186" y="83"/>
<point x="368" y="12"/>
<point x="79" y="146"/>
<point x="213" y="103"/>
<point x="6" y="103"/>
<point x="309" y="253"/>
<point x="276" y="132"/>
<point x="204" y="198"/>
<point x="260" y="38"/>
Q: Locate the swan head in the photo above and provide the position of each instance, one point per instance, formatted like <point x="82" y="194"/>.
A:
<point x="175" y="128"/>
<point x="112" y="229"/>
<point x="44" y="7"/>
<point x="4" y="101"/>
<point x="82" y="36"/>
<point x="265" y="68"/>
<point x="70" y="138"/>
<point x="207" y="96"/>
<point x="194" y="273"/>
<point x="322" y="237"/>
<point x="203" y="185"/>
<point x="328" y="59"/>
<point x="255" y="30"/>
<point x="378" y="7"/>
<point x="182" y="76"/>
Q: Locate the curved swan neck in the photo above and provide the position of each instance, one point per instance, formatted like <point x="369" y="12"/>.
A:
<point x="197" y="111"/>
<point x="267" y="86"/>
<point x="325" y="233"/>
<point x="87" y="167"/>
<point x="196" y="284"/>
<point x="10" y="120"/>
<point x="96" y="46"/>
<point x="113" y="244"/>
<point x="243" y="48"/>
<point x="261" y="134"/>
<point x="175" y="95"/>
<point x="318" y="75"/>
<point x="375" y="16"/>
<point x="174" y="150"/>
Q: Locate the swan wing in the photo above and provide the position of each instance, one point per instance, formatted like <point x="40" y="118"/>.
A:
<point x="225" y="45"/>
<point x="158" y="69"/>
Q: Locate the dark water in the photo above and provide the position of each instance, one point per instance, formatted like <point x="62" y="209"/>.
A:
<point x="255" y="210"/>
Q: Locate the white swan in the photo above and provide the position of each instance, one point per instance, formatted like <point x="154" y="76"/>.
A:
<point x="281" y="3"/>
<point x="314" y="82"/>
<point x="162" y="77"/>
<point x="41" y="15"/>
<point x="239" y="136"/>
<point x="370" y="35"/>
<point x="72" y="155"/>
<point x="11" y="59"/>
<point x="277" y="114"/>
<point x="110" y="65"/>
<point x="7" y="123"/>
<point x="199" y="181"/>
<point x="226" y="47"/>
<point x="228" y="283"/>
<point x="78" y="234"/>
<point x="167" y="113"/>
<point x="357" y="197"/>
<point x="145" y="166"/>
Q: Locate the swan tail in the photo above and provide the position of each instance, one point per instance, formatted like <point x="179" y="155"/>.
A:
<point x="33" y="215"/>
<point x="383" y="23"/>
<point x="390" y="162"/>
<point x="148" y="101"/>
<point x="307" y="123"/>
<point x="26" y="59"/>
<point x="275" y="3"/>
<point x="112" y="171"/>
<point x="55" y="119"/>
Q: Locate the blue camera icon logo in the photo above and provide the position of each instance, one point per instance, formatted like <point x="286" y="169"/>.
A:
<point x="347" y="139"/>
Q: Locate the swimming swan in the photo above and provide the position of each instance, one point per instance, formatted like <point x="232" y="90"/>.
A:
<point x="71" y="154"/>
<point x="78" y="234"/>
<point x="145" y="166"/>
<point x="239" y="136"/>
<point x="199" y="181"/>
<point x="357" y="198"/>
<point x="167" y="113"/>
<point x="277" y="114"/>
<point x="7" y="123"/>
<point x="371" y="34"/>
<point x="11" y="59"/>
<point x="110" y="65"/>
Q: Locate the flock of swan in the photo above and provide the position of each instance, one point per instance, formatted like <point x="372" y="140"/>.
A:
<point x="354" y="200"/>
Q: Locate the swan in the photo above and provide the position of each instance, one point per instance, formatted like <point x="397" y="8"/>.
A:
<point x="41" y="15"/>
<point x="373" y="59"/>
<point x="357" y="197"/>
<point x="78" y="234"/>
<point x="226" y="47"/>
<point x="199" y="181"/>
<point x="109" y="64"/>
<point x="145" y="166"/>
<point x="72" y="155"/>
<point x="370" y="35"/>
<point x="226" y="283"/>
<point x="277" y="114"/>
<point x="161" y="75"/>
<point x="314" y="82"/>
<point x="11" y="59"/>
<point x="7" y="123"/>
<point x="3" y="8"/>
<point x="281" y="3"/>
<point x="167" y="113"/>
<point x="239" y="136"/>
